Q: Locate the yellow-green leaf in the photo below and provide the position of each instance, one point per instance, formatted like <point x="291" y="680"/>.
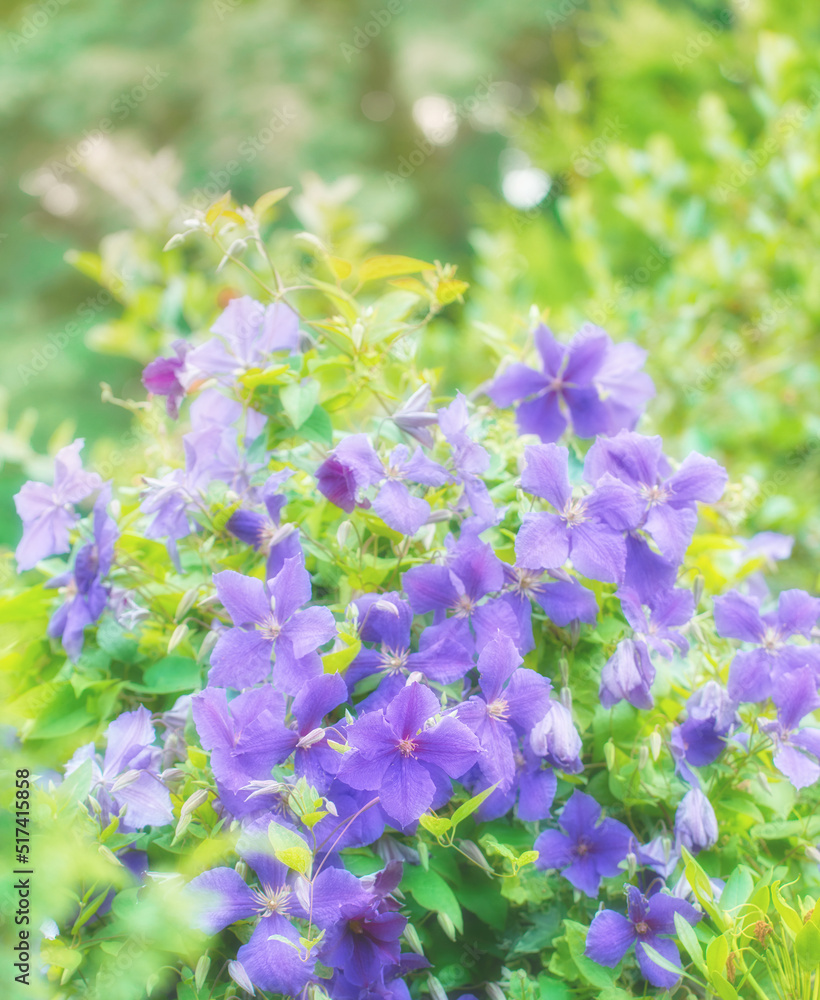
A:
<point x="390" y="265"/>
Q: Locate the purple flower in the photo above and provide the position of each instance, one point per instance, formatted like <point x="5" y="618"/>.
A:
<point x="385" y="620"/>
<point x="273" y="958"/>
<point x="797" y="751"/>
<point x="362" y="927"/>
<point x="650" y="921"/>
<point x="170" y="499"/>
<point x="590" y="383"/>
<point x="586" y="529"/>
<point x="556" y="739"/>
<point x="314" y="760"/>
<point x="628" y="675"/>
<point x="711" y="716"/>
<point x="512" y="701"/>
<point x="406" y="760"/>
<point x="471" y="460"/>
<point x="263" y="531"/>
<point x="695" y="822"/>
<point x="562" y="600"/>
<point x="472" y="571"/>
<point x="752" y="672"/>
<point x="669" y="501"/>
<point x="354" y="466"/>
<point x="126" y="782"/>
<point x="214" y="449"/>
<point x="84" y="592"/>
<point x="530" y="793"/>
<point x="414" y="418"/>
<point x="584" y="849"/>
<point x="47" y="512"/>
<point x="269" y="620"/>
<point x="162" y="377"/>
<point x="247" y="333"/>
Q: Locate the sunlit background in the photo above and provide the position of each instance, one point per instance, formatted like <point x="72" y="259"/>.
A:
<point x="652" y="166"/>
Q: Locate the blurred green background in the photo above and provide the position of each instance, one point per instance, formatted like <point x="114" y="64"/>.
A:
<point x="652" y="166"/>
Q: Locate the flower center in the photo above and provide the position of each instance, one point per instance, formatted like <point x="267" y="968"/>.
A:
<point x="581" y="849"/>
<point x="270" y="628"/>
<point x="771" y="639"/>
<point x="272" y="900"/>
<point x="463" y="606"/>
<point x="498" y="709"/>
<point x="655" y="494"/>
<point x="525" y="581"/>
<point x="574" y="512"/>
<point x="407" y="747"/>
<point x="393" y="661"/>
<point x="642" y="927"/>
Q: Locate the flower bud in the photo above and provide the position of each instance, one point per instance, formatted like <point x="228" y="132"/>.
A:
<point x="437" y="991"/>
<point x="193" y="803"/>
<point x="695" y="822"/>
<point x="236" y="971"/>
<point x="411" y="936"/>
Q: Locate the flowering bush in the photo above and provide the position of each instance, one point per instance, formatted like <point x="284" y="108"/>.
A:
<point x="358" y="691"/>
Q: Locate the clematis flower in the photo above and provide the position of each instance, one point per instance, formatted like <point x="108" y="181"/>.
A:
<point x="85" y="594"/>
<point x="531" y="792"/>
<point x="470" y="459"/>
<point x="711" y="716"/>
<point x="471" y="573"/>
<point x="628" y="676"/>
<point x="753" y="672"/>
<point x="649" y="921"/>
<point x="263" y="531"/>
<point x="163" y="377"/>
<point x="126" y="780"/>
<point x="171" y="501"/>
<point x="586" y="848"/>
<point x="695" y="822"/>
<point x="593" y="385"/>
<point x="556" y="739"/>
<point x="586" y="529"/>
<point x="361" y="923"/>
<point x="47" y="512"/>
<point x="512" y="701"/>
<point x="314" y="760"/>
<point x="267" y="620"/>
<point x="273" y="959"/>
<point x="354" y="466"/>
<point x="215" y="449"/>
<point x="797" y="751"/>
<point x="247" y="333"/>
<point x="562" y="600"/>
<point x="414" y="418"/>
<point x="670" y="500"/>
<point x="408" y="762"/>
<point x="668" y="609"/>
<point x="385" y="620"/>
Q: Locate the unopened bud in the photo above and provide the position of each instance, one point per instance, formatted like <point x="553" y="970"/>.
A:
<point x="609" y="754"/>
<point x="411" y="936"/>
<point x="437" y="991"/>
<point x="643" y="757"/>
<point x="655" y="744"/>
<point x="109" y="855"/>
<point x="236" y="970"/>
<point x="177" y="636"/>
<point x="494" y="992"/>
<point x="697" y="589"/>
<point x="241" y="869"/>
<point x="473" y="852"/>
<point x="125" y="779"/>
<point x="447" y="925"/>
<point x="574" y="632"/>
<point x="565" y="697"/>
<point x="343" y="533"/>
<point x="311" y="738"/>
<point x="631" y="864"/>
<point x="208" y="644"/>
<point x="186" y="602"/>
<point x="171" y="774"/>
<point x="201" y="971"/>
<point x="174" y="242"/>
<point x="194" y="802"/>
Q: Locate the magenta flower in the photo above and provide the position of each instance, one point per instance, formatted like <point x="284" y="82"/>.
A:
<point x="47" y="512"/>
<point x="408" y="762"/>
<point x="650" y="921"/>
<point x="584" y="849"/>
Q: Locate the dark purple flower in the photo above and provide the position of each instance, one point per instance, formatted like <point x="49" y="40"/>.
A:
<point x="47" y="512"/>
<point x="753" y="672"/>
<point x="269" y="619"/>
<point x="126" y="782"/>
<point x="628" y="675"/>
<point x="531" y="792"/>
<point x="711" y="716"/>
<point x="403" y="758"/>
<point x="584" y="849"/>
<point x="669" y="500"/>
<point x="471" y="572"/>
<point x="797" y="751"/>
<point x="263" y="531"/>
<point x="362" y="927"/>
<point x="247" y="333"/>
<point x="587" y="529"/>
<point x="385" y="621"/>
<point x="695" y="822"/>
<point x="594" y="385"/>
<point x="512" y="701"/>
<point x="162" y="377"/>
<point x="556" y="739"/>
<point x="220" y="897"/>
<point x="650" y="921"/>
<point x="314" y="760"/>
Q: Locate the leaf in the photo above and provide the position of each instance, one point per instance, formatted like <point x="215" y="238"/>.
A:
<point x="807" y="829"/>
<point x="269" y="199"/>
<point x="172" y="673"/>
<point x="790" y="918"/>
<point x="391" y="265"/>
<point x="289" y="848"/>
<point x="807" y="946"/>
<point x="437" y="825"/>
<point x="721" y="985"/>
<point x="737" y="890"/>
<point x="299" y="400"/>
<point x="594" y="974"/>
<point x="430" y="890"/>
<point x="717" y="951"/>
<point x="660" y="960"/>
<point x="689" y="940"/>
<point x="470" y="806"/>
<point x="340" y="268"/>
<point x="318" y="427"/>
<point x="217" y="208"/>
<point x="527" y="858"/>
<point x="450" y="289"/>
<point x="339" y="660"/>
<point x="269" y="376"/>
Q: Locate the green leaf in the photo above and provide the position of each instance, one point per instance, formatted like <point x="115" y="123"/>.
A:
<point x="806" y="829"/>
<point x="290" y="849"/>
<point x="721" y="985"/>
<point x="340" y="659"/>
<point x="807" y="946"/>
<point x="430" y="890"/>
<point x="737" y="890"/>
<point x="318" y="427"/>
<point x="594" y="974"/>
<point x="172" y="673"/>
<point x="390" y="265"/>
<point x="469" y="807"/>
<point x="660" y="960"/>
<point x="790" y="918"/>
<point x="437" y="825"/>
<point x="717" y="951"/>
<point x="299" y="400"/>
<point x="690" y="942"/>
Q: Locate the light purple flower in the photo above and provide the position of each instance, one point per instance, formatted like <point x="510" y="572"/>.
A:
<point x="711" y="716"/>
<point x="797" y="751"/>
<point x="650" y="921"/>
<point x="414" y="418"/>
<point x="586" y="849"/>
<point x="593" y="385"/>
<point x="470" y="460"/>
<point x="628" y="675"/>
<point x="562" y="600"/>
<point x="269" y="620"/>
<point x="556" y="739"/>
<point x="587" y="529"/>
<point x="263" y="531"/>
<point x="668" y="610"/>
<point x="47" y="512"/>
<point x="695" y="822"/>
<point x="753" y="672"/>
<point x="531" y="792"/>
<point x="408" y="762"/>
<point x="163" y="377"/>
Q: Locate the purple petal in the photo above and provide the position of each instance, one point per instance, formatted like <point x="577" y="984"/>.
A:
<point x="609" y="937"/>
<point x="399" y="509"/>
<point x="127" y="734"/>
<point x="527" y="698"/>
<point x="317" y="699"/>
<point x="738" y="617"/>
<point x="597" y="552"/>
<point x="410" y="709"/>
<point x="498" y="659"/>
<point x="290" y="590"/>
<point x="554" y="850"/>
<point x="429" y="588"/>
<point x="795" y="695"/>
<point x="552" y="353"/>
<point x="272" y="964"/>
<point x="579" y="815"/>
<point x="406" y="790"/>
<point x="449" y="745"/>
<point x="240" y="659"/>
<point x="546" y="474"/>
<point x="672" y="529"/>
<point x="542" y="542"/>
<point x="309" y="629"/>
<point x="542" y="416"/>
<point x="750" y="676"/>
<point x="243" y="597"/>
<point x="797" y="612"/>
<point x="698" y="478"/>
<point x="514" y="383"/>
<point x="633" y="458"/>
<point x="801" y="770"/>
<point x="221" y="898"/>
<point x="662" y="909"/>
<point x="420" y="469"/>
<point x="650" y="970"/>
<point x="566" y="600"/>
